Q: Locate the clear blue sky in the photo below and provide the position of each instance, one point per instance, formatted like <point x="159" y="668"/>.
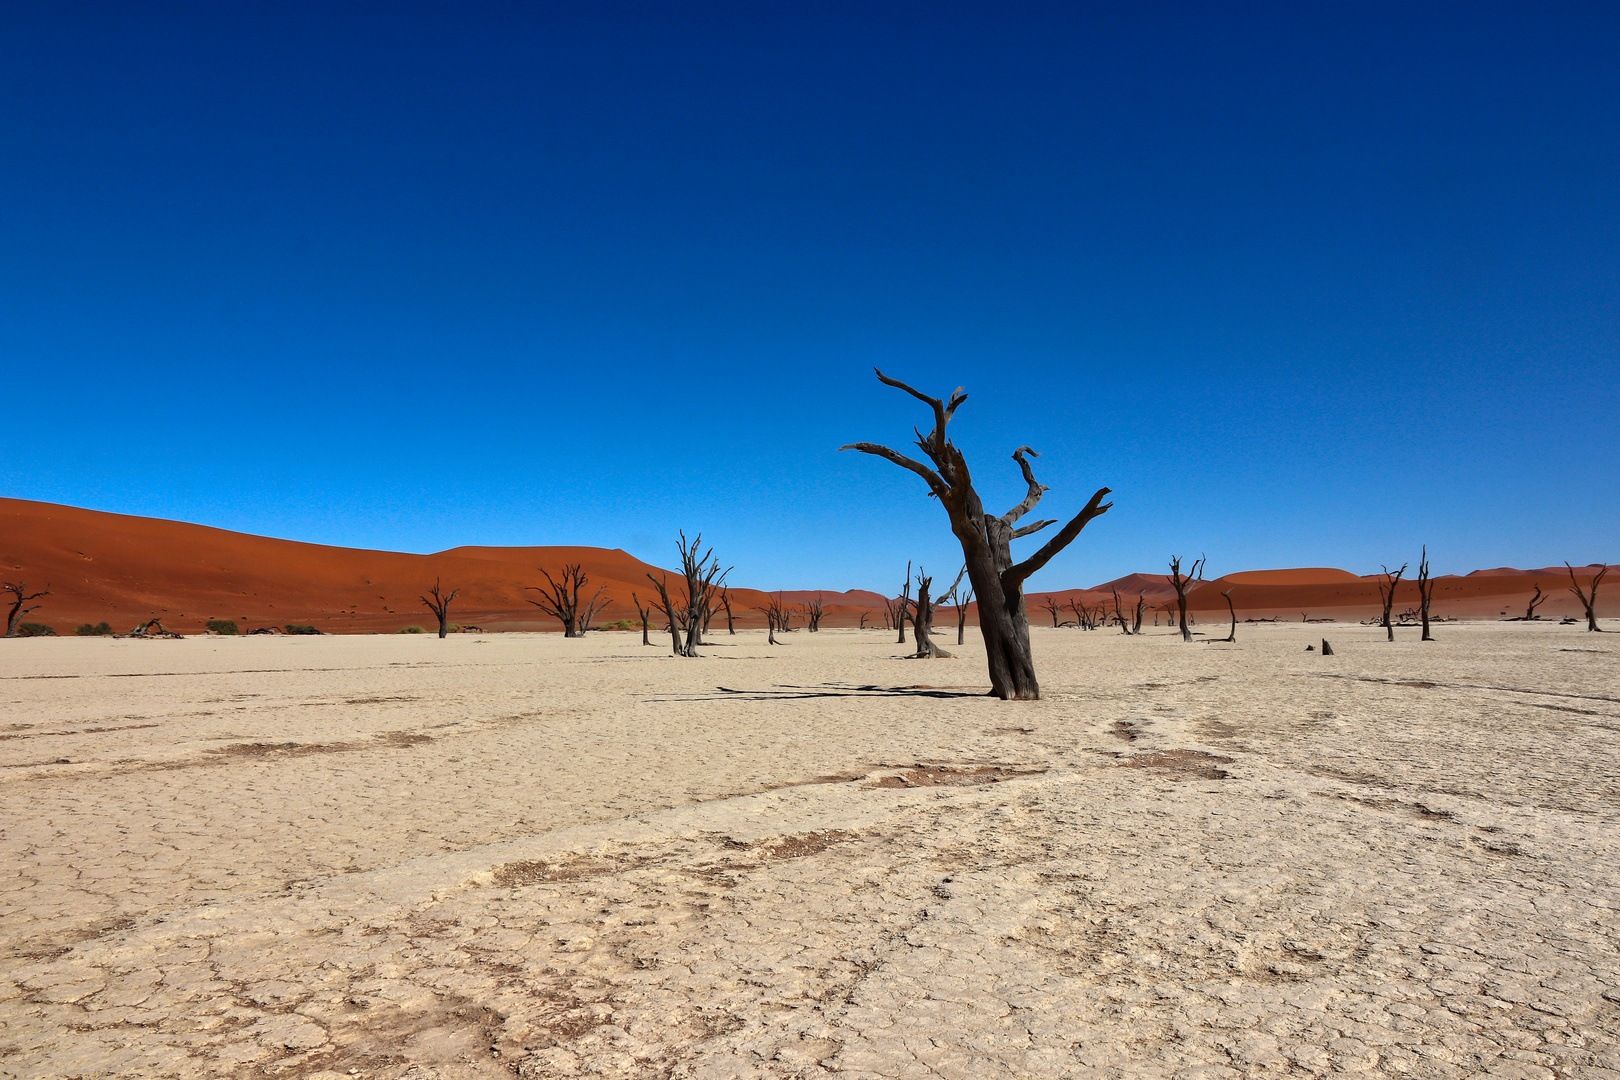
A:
<point x="1306" y="284"/>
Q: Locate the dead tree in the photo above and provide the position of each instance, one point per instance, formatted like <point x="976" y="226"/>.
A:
<point x="987" y="541"/>
<point x="704" y="581"/>
<point x="961" y="613"/>
<point x="902" y="608"/>
<point x="1588" y="599"/>
<point x="671" y="612"/>
<point x="1141" y="610"/>
<point x="645" y="614"/>
<point x="812" y="614"/>
<point x="439" y="604"/>
<point x="1051" y="605"/>
<point x="725" y="602"/>
<point x="1386" y="593"/>
<point x="776" y="614"/>
<point x="1535" y="601"/>
<point x="560" y="597"/>
<point x="922" y="621"/>
<point x="864" y="616"/>
<point x="1119" y="616"/>
<point x="1232" y="634"/>
<point x="1179" y="582"/>
<point x="1425" y="584"/>
<point x="20" y="596"/>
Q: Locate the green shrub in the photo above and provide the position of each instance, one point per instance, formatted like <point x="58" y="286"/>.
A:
<point x="221" y="626"/>
<point x="294" y="628"/>
<point x="410" y="630"/>
<point x="452" y="628"/>
<point x="34" y="629"/>
<point x="622" y="624"/>
<point x="100" y="629"/>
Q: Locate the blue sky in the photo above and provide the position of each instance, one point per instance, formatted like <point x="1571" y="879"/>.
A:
<point x="1305" y="284"/>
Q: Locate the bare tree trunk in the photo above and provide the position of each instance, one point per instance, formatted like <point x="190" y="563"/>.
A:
<point x="669" y="611"/>
<point x="961" y="617"/>
<point x="1535" y="601"/>
<point x="725" y="602"/>
<point x="986" y="541"/>
<point x="560" y="597"/>
<point x="901" y="612"/>
<point x="1232" y="636"/>
<point x="1141" y="610"/>
<point x="20" y="596"/>
<point x="645" y="614"/>
<point x="922" y="623"/>
<point x="1386" y="593"/>
<point x="439" y="604"/>
<point x="1588" y="599"/>
<point x="1425" y="584"/>
<point x="1180" y="583"/>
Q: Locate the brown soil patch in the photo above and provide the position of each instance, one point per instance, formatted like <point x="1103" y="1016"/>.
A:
<point x="1181" y="764"/>
<point x="540" y="871"/>
<point x="811" y="843"/>
<point x="947" y="776"/>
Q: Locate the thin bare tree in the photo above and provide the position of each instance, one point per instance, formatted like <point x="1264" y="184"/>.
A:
<point x="987" y="541"/>
<point x="962" y="603"/>
<point x="670" y="611"/>
<point x="1180" y="582"/>
<point x="725" y="602"/>
<point x="645" y="614"/>
<point x="1141" y="611"/>
<point x="560" y="597"/>
<point x="1052" y="606"/>
<point x="20" y="596"/>
<point x="813" y="612"/>
<point x="1119" y="616"/>
<point x="776" y="614"/>
<point x="902" y="608"/>
<point x="1425" y="584"/>
<point x="864" y="616"/>
<point x="439" y="603"/>
<point x="1535" y="601"/>
<point x="1386" y="593"/>
<point x="1232" y="634"/>
<point x="1588" y="599"/>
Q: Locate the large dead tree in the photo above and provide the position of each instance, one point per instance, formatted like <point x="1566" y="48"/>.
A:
<point x="1386" y="593"/>
<point x="1536" y="601"/>
<point x="1588" y="599"/>
<point x="1425" y="584"/>
<point x="987" y="542"/>
<point x="560" y="598"/>
<point x="20" y="596"/>
<point x="922" y="620"/>
<point x="1180" y="582"/>
<point x="438" y="602"/>
<point x="704" y="581"/>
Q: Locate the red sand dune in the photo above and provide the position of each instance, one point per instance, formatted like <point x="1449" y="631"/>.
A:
<point x="125" y="570"/>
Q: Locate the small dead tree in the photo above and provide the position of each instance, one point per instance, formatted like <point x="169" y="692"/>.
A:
<point x="670" y="611"/>
<point x="1052" y="606"/>
<point x="1425" y="584"/>
<point x="1141" y="611"/>
<point x="864" y="616"/>
<point x="986" y="541"/>
<point x="813" y="612"/>
<point x="776" y="615"/>
<point x="922" y="621"/>
<point x="439" y="603"/>
<point x="1180" y="582"/>
<point x="961" y="613"/>
<point x="1588" y="599"/>
<point x="902" y="608"/>
<point x="645" y="614"/>
<point x="1535" y="601"/>
<point x="1386" y="593"/>
<point x="560" y="597"/>
<point x="1119" y="615"/>
<point x="1232" y="634"/>
<point x="725" y="602"/>
<point x="20" y="596"/>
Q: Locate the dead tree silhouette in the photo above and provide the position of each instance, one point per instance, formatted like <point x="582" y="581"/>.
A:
<point x="725" y="602"/>
<point x="962" y="603"/>
<point x="645" y="614"/>
<point x="704" y="580"/>
<point x="1425" y="584"/>
<point x="560" y="598"/>
<point x="1535" y="601"/>
<point x="902" y="608"/>
<point x="671" y="612"/>
<point x="987" y="541"/>
<point x="922" y="620"/>
<point x="1588" y="599"/>
<point x="20" y="596"/>
<point x="1056" y="609"/>
<point x="439" y="604"/>
<point x="1386" y="593"/>
<point x="1141" y="612"/>
<point x="1180" y="583"/>
<point x="813" y="612"/>
<point x="1119" y="616"/>
<point x="1232" y="634"/>
<point x="776" y="614"/>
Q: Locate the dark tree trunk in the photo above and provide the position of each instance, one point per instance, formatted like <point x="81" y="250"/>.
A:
<point x="901" y="609"/>
<point x="1535" y="601"/>
<point x="1180" y="583"/>
<point x="922" y="624"/>
<point x="1232" y="635"/>
<point x="1386" y="593"/>
<point x="1588" y="599"/>
<point x="961" y="618"/>
<point x="1425" y="584"/>
<point x="439" y="603"/>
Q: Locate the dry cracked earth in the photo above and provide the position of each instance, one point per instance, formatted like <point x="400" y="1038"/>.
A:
<point x="516" y="855"/>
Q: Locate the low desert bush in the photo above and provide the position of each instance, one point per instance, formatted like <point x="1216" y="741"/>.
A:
<point x="34" y="629"/>
<point x="100" y="629"/>
<point x="410" y="630"/>
<point x="221" y="626"/>
<point x="294" y="628"/>
<point x="622" y="624"/>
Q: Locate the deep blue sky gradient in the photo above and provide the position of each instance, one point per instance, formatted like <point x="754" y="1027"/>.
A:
<point x="1306" y="284"/>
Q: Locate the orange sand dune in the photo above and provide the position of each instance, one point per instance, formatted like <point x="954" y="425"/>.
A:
<point x="125" y="570"/>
